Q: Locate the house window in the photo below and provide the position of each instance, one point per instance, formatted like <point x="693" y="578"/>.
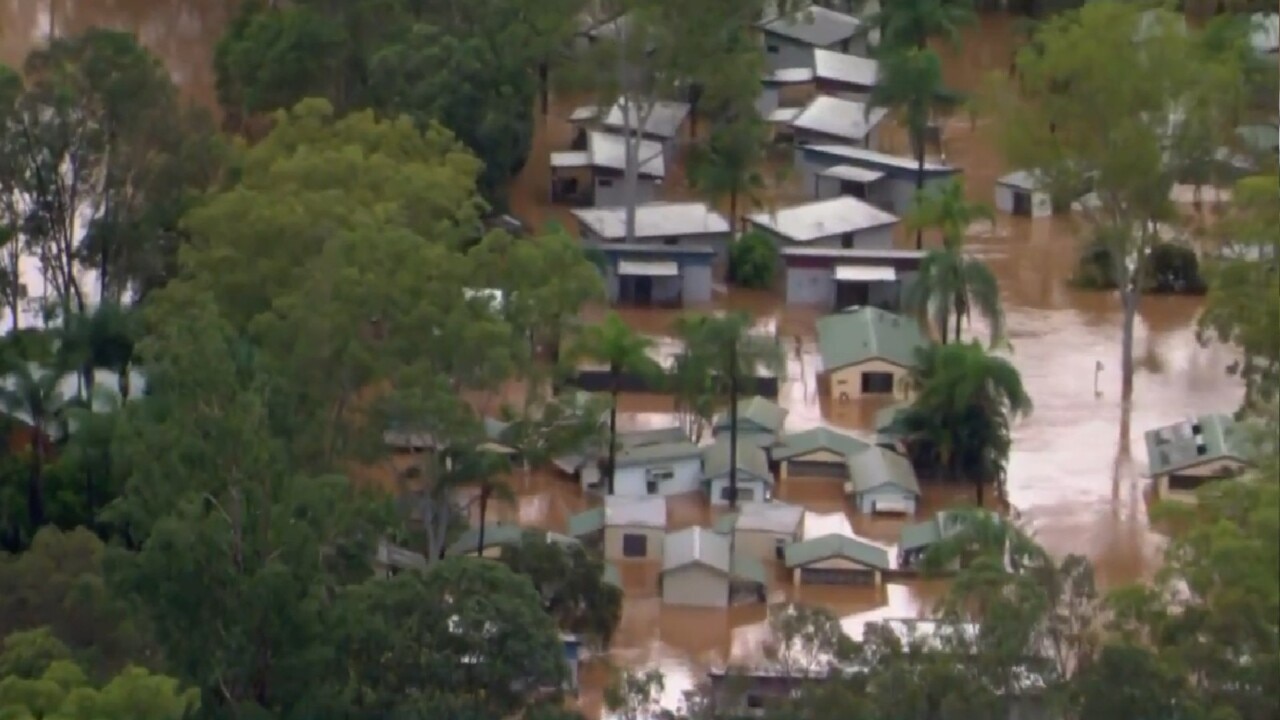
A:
<point x="771" y="49"/>
<point x="605" y="182"/>
<point x="660" y="474"/>
<point x="780" y="548"/>
<point x="846" y="241"/>
<point x="635" y="545"/>
<point x="671" y="241"/>
<point x="724" y="493"/>
<point x="754" y="702"/>
<point x="877" y="383"/>
<point x="1187" y="483"/>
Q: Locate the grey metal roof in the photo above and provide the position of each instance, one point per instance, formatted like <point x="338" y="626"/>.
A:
<point x="631" y="456"/>
<point x="566" y="159"/>
<point x="852" y="173"/>
<point x="609" y="151"/>
<point x="788" y="76"/>
<point x="651" y="436"/>
<point x="807" y="552"/>
<point x="655" y="220"/>
<point x="839" y="117"/>
<point x="864" y="158"/>
<point x="758" y="411"/>
<point x="870" y="255"/>
<point x="876" y="467"/>
<point x="866" y="333"/>
<point x="814" y="25"/>
<point x="784" y="115"/>
<point x="664" y="120"/>
<point x="818" y="438"/>
<point x="1178" y="446"/>
<point x="1022" y="180"/>
<point x="823" y="218"/>
<point x="751" y="460"/>
<point x="399" y="557"/>
<point x="703" y="546"/>
<point x="773" y="517"/>
<point x="586" y="522"/>
<point x="845" y="68"/>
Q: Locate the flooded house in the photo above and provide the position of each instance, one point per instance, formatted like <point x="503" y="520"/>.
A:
<point x="836" y="278"/>
<point x="790" y="39"/>
<point x="656" y="464"/>
<point x="496" y="537"/>
<point x="760" y="422"/>
<point x="755" y="481"/>
<point x="882" y="482"/>
<point x="895" y="191"/>
<point x="593" y="175"/>
<point x="843" y="75"/>
<point x="700" y="569"/>
<point x="785" y="89"/>
<point x="867" y="351"/>
<point x="915" y="540"/>
<point x="660" y="121"/>
<point x="1021" y="193"/>
<point x="390" y="560"/>
<point x="840" y="222"/>
<point x="763" y="529"/>
<point x="829" y="553"/>
<point x="819" y="452"/>
<point x="668" y="224"/>
<point x="830" y="119"/>
<point x="1186" y="455"/>
<point x="657" y="275"/>
<point x="626" y="528"/>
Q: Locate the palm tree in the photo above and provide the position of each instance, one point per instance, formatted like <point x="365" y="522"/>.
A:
<point x="624" y="351"/>
<point x="726" y="346"/>
<point x="960" y="419"/>
<point x="484" y="470"/>
<point x="101" y="339"/>
<point x="910" y="23"/>
<point x="950" y="282"/>
<point x="728" y="165"/>
<point x="31" y="394"/>
<point x="911" y="84"/>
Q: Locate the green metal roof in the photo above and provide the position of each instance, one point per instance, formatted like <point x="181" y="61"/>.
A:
<point x="807" y="552"/>
<point x="1179" y="446"/>
<point x="652" y="436"/>
<point x="745" y="567"/>
<point x="761" y="412"/>
<point x="586" y="522"/>
<point x="819" y="438"/>
<point x="500" y="534"/>
<point x="942" y="525"/>
<point x="633" y="455"/>
<point x="876" y="467"/>
<point x="751" y="459"/>
<point x="868" y="333"/>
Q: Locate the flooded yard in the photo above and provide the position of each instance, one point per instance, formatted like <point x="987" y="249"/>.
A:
<point x="1073" y="481"/>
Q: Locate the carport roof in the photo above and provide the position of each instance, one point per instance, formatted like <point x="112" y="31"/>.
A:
<point x="825" y="547"/>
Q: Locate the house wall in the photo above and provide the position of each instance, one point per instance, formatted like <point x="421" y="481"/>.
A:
<point x="1040" y="204"/>
<point x="760" y="544"/>
<point x="769" y="99"/>
<point x="719" y="242"/>
<point x="1206" y="470"/>
<point x="834" y="564"/>
<point x="610" y="190"/>
<point x="695" y="585"/>
<point x="613" y="542"/>
<point x="697" y="279"/>
<point x="846" y="383"/>
<point x="589" y="476"/>
<point x="902" y="190"/>
<point x="866" y="501"/>
<point x="1004" y="199"/>
<point x="877" y="238"/>
<point x="631" y="480"/>
<point x="822" y="456"/>
<point x="871" y="140"/>
<point x="759" y="489"/>
<point x="879" y="193"/>
<point x="781" y="52"/>
<point x="807" y="285"/>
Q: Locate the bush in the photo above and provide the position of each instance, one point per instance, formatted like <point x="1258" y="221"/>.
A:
<point x="753" y="260"/>
<point x="1172" y="269"/>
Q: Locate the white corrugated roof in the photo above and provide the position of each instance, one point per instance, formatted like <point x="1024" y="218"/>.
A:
<point x="853" y="173"/>
<point x="570" y="159"/>
<point x="774" y="517"/>
<point x="817" y="525"/>
<point x="865" y="273"/>
<point x="784" y="115"/>
<point x="608" y="150"/>
<point x="648" y="268"/>
<point x="823" y="218"/>
<point x="862" y="157"/>
<point x="655" y="220"/>
<point x="695" y="546"/>
<point x="1021" y="179"/>
<point x="815" y="26"/>
<point x="789" y="76"/>
<point x="845" y="68"/>
<point x="838" y="117"/>
<point x="1264" y="32"/>
<point x="664" y="119"/>
<point x="585" y="113"/>
<point x="643" y="511"/>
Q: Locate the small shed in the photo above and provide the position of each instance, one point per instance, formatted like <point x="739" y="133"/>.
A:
<point x="763" y="530"/>
<point x="663" y="122"/>
<point x="630" y="528"/>
<point x="700" y="569"/>
<point x="839" y="222"/>
<point x="816" y="453"/>
<point x="657" y="468"/>
<point x="593" y="175"/>
<point x="829" y="119"/>
<point x="868" y="351"/>
<point x="755" y="482"/>
<point x="760" y="421"/>
<point x="843" y="75"/>
<point x="789" y="39"/>
<point x="832" y="278"/>
<point x="1021" y="193"/>
<point x="1186" y="455"/>
<point x="895" y="193"/>
<point x="496" y="537"/>
<point x="882" y="481"/>
<point x="1264" y="33"/>
<point x="658" y="275"/>
<point x="831" y="554"/>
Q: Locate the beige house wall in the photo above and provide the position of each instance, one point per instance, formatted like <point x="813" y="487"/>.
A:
<point x="760" y="544"/>
<point x="816" y="456"/>
<point x="1208" y="469"/>
<point x="695" y="585"/>
<point x="846" y="382"/>
<point x="613" y="542"/>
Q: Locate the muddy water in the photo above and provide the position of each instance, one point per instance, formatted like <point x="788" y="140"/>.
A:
<point x="1073" y="478"/>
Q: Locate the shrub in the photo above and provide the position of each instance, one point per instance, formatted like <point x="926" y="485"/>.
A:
<point x="752" y="261"/>
<point x="1172" y="269"/>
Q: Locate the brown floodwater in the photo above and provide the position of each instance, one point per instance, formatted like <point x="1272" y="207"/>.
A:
<point x="1074" y="479"/>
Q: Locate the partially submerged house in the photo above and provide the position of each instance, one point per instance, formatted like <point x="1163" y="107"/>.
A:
<point x="830" y="119"/>
<point x="760" y="421"/>
<point x="844" y="75"/>
<point x="670" y="224"/>
<point x="915" y="540"/>
<point x="1023" y="193"/>
<point x="895" y="191"/>
<point x="656" y="464"/>
<point x="390" y="560"/>
<point x="594" y="175"/>
<point x="868" y="351"/>
<point x="658" y="275"/>
<point x="763" y="529"/>
<point x="785" y="88"/>
<point x="1264" y="33"/>
<point x="700" y="569"/>
<point x="496" y="537"/>
<point x="660" y="121"/>
<point x="755" y="481"/>
<point x="834" y="278"/>
<point x="882" y="481"/>
<point x="819" y="452"/>
<point x="628" y="528"/>
<point x="1186" y="455"/>
<point x="840" y="222"/>
<point x="831" y="554"/>
<point x="790" y="39"/>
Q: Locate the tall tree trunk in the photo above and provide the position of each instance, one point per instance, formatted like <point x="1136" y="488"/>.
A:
<point x="733" y="425"/>
<point x="614" y="382"/>
<point x="733" y="211"/>
<point x="977" y="488"/>
<point x="919" y="141"/>
<point x="484" y="512"/>
<point x="959" y="317"/>
<point x="1129" y="303"/>
<point x="543" y="90"/>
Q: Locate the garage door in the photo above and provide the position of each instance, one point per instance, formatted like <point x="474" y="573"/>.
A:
<point x="896" y="506"/>
<point x="826" y="576"/>
<point x="802" y="468"/>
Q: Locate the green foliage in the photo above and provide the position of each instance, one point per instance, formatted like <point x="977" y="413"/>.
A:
<point x="728" y="164"/>
<point x="1172" y="269"/>
<point x="753" y="260"/>
<point x="911" y="23"/>
<point x="60" y="690"/>
<point x="571" y="584"/>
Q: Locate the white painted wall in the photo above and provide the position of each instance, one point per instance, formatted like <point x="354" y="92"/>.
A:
<point x="631" y="481"/>
<point x="749" y="489"/>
